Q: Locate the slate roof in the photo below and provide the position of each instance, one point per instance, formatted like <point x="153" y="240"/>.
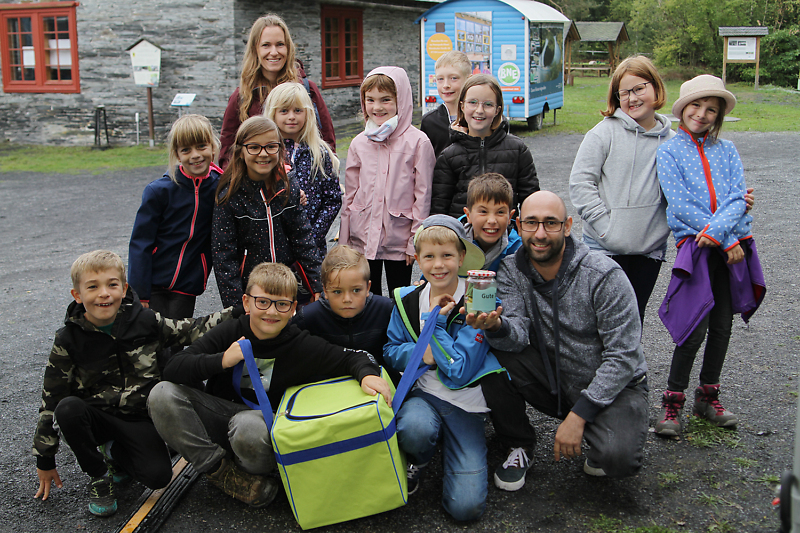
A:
<point x="743" y="31"/>
<point x="602" y="31"/>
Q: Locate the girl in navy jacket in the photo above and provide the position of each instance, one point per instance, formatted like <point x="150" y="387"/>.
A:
<point x="170" y="248"/>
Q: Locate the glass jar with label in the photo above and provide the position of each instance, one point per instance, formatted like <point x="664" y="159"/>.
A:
<point x="481" y="291"/>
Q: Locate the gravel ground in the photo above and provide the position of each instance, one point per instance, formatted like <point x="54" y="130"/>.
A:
<point x="48" y="220"/>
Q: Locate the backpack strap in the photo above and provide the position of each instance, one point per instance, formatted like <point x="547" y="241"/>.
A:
<point x="413" y="370"/>
<point x="252" y="369"/>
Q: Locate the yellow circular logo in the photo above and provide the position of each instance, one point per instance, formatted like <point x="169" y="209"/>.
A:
<point x="438" y="44"/>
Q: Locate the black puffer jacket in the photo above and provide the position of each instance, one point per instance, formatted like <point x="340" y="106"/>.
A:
<point x="467" y="157"/>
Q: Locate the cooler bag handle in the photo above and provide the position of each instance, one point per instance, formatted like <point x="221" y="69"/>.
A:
<point x="411" y="376"/>
<point x="261" y="395"/>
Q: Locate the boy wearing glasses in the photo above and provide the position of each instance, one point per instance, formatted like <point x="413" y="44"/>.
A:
<point x="569" y="332"/>
<point x="214" y="430"/>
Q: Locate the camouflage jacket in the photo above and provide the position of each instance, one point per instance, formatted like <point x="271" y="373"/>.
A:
<point x="110" y="372"/>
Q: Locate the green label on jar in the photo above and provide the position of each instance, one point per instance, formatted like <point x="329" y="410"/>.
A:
<point x="483" y="301"/>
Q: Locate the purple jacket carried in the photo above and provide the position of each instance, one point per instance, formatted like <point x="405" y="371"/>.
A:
<point x="689" y="297"/>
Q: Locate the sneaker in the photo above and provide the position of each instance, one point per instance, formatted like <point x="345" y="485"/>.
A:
<point x="706" y="405"/>
<point x="114" y="470"/>
<point x="254" y="490"/>
<point x="101" y="496"/>
<point x="412" y="475"/>
<point x="593" y="469"/>
<point x="511" y="474"/>
<point x="670" y="425"/>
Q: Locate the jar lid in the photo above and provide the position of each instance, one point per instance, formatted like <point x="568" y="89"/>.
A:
<point x="481" y="274"/>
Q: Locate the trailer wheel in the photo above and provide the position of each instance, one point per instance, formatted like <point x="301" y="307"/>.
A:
<point x="535" y="122"/>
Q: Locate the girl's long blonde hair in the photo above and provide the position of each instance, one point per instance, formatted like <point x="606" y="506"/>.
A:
<point x="290" y="95"/>
<point x="234" y="176"/>
<point x="189" y="130"/>
<point x="252" y="82"/>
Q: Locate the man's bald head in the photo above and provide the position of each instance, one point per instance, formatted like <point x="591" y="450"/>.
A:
<point x="546" y="200"/>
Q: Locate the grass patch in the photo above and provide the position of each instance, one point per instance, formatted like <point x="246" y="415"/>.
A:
<point x="704" y="434"/>
<point x="769" y="479"/>
<point x="668" y="478"/>
<point x="79" y="159"/>
<point x="605" y="524"/>
<point x="721" y="526"/>
<point x="767" y="109"/>
<point x="744" y="462"/>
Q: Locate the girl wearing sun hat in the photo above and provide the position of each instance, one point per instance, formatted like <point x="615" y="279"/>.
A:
<point x="703" y="180"/>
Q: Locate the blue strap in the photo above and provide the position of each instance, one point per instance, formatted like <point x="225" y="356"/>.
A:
<point x="255" y="377"/>
<point x="413" y="370"/>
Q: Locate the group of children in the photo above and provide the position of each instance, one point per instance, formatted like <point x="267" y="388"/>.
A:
<point x="116" y="393"/>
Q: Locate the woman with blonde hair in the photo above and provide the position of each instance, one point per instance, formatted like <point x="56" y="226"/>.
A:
<point x="269" y="60"/>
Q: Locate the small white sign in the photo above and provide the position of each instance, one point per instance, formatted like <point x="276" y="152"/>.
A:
<point x="183" y="99"/>
<point x="146" y="63"/>
<point x="742" y="48"/>
<point x="433" y="92"/>
<point x="508" y="52"/>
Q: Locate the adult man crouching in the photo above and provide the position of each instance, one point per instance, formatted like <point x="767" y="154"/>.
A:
<point x="576" y="357"/>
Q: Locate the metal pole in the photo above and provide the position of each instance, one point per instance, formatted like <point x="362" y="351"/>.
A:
<point x="150" y="117"/>
<point x="137" y="129"/>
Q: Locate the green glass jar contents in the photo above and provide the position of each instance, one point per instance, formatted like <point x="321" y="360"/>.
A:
<point x="481" y="291"/>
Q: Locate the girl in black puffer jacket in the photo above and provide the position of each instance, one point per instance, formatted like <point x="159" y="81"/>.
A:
<point x="479" y="145"/>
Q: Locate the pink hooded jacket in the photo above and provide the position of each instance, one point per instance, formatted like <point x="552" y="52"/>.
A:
<point x="388" y="183"/>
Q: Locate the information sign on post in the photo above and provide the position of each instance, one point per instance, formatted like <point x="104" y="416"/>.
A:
<point x="742" y="45"/>
<point x="146" y="65"/>
<point x="182" y="100"/>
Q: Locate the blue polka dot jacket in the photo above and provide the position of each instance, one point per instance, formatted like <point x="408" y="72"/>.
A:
<point x="703" y="182"/>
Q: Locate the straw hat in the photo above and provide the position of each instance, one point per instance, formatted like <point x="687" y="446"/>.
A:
<point x="702" y="87"/>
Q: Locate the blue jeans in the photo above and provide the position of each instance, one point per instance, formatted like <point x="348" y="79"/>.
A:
<point x="422" y="422"/>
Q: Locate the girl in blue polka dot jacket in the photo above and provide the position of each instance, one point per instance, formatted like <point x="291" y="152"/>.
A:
<point x="703" y="180"/>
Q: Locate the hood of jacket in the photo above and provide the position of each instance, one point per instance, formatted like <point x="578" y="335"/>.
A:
<point x="405" y="101"/>
<point x="661" y="129"/>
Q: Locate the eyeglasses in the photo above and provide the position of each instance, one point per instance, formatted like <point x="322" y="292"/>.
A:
<point x="550" y="226"/>
<point x="264" y="303"/>
<point x="637" y="90"/>
<point x="255" y="149"/>
<point x="473" y="104"/>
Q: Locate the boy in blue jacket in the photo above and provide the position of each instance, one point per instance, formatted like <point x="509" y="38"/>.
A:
<point x="446" y="402"/>
<point x="488" y="212"/>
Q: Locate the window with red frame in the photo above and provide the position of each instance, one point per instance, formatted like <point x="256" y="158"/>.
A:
<point x="342" y="47"/>
<point x="39" y="48"/>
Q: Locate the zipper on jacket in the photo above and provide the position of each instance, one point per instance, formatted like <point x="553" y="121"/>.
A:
<point x="121" y="375"/>
<point x="269" y="221"/>
<point x="482" y="158"/>
<point x="205" y="270"/>
<point x="196" y="183"/>
<point x="241" y="268"/>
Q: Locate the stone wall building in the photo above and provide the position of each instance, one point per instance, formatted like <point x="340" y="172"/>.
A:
<point x="202" y="44"/>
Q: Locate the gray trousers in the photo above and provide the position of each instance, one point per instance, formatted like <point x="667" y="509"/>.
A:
<point x="204" y="428"/>
<point x="617" y="434"/>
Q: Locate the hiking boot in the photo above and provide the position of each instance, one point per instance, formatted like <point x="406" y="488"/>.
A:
<point x="511" y="474"/>
<point x="102" y="501"/>
<point x="706" y="405"/>
<point x="254" y="490"/>
<point x="114" y="470"/>
<point x="412" y="476"/>
<point x="670" y="425"/>
<point x="593" y="469"/>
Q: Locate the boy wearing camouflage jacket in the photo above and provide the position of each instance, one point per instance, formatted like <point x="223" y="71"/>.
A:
<point x="97" y="379"/>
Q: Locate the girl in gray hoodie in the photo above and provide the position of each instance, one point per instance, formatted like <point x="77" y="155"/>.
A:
<point x="613" y="183"/>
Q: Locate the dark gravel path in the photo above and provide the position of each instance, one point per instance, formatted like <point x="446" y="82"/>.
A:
<point x="47" y="220"/>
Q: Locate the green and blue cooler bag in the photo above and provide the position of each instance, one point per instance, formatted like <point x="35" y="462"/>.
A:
<point x="335" y="445"/>
<point x="337" y="453"/>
